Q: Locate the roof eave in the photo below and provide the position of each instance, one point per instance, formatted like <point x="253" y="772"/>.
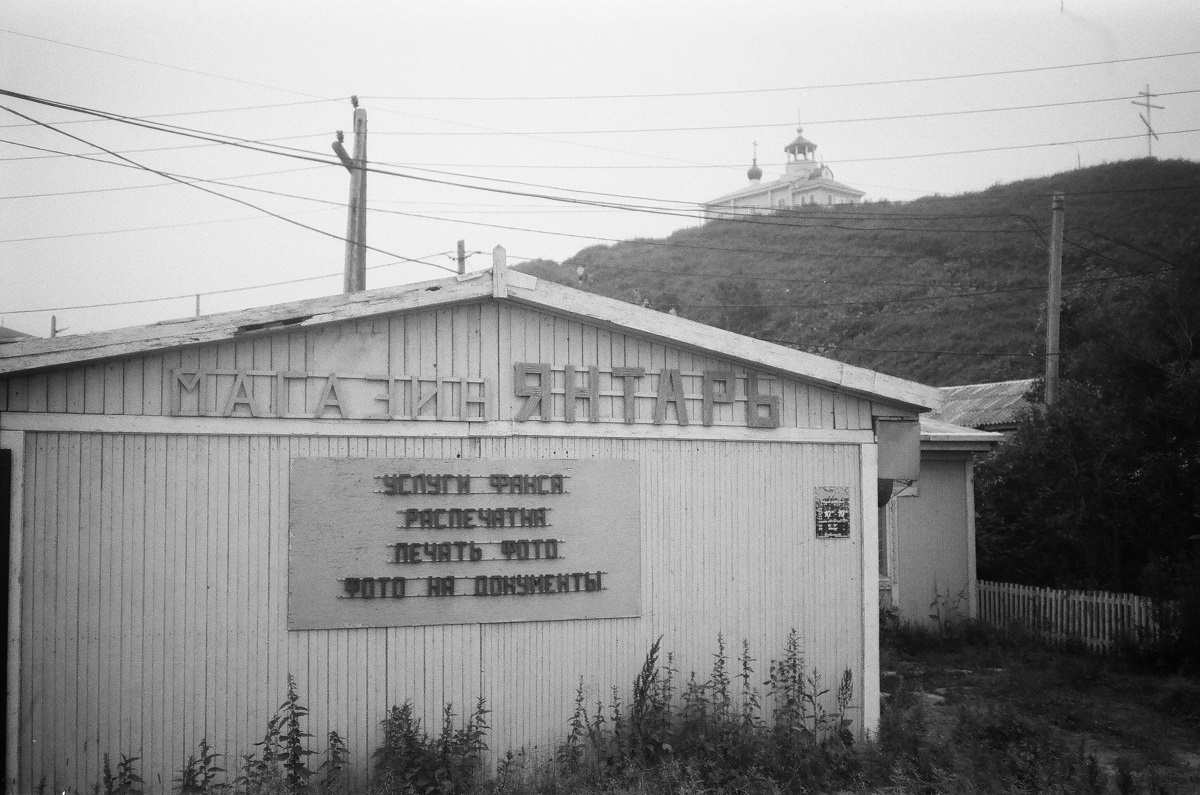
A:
<point x="522" y="288"/>
<point x="753" y="352"/>
<point x="41" y="354"/>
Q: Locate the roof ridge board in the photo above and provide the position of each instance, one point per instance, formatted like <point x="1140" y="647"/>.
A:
<point x="549" y="296"/>
<point x="754" y="352"/>
<point x="312" y="312"/>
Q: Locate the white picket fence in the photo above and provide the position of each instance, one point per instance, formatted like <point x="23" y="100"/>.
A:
<point x="1096" y="618"/>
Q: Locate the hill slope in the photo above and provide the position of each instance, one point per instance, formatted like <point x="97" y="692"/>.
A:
<point x="943" y="290"/>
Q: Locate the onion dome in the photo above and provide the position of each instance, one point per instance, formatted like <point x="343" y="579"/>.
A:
<point x="754" y="173"/>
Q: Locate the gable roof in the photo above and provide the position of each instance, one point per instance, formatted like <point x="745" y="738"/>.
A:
<point x="990" y="405"/>
<point x="504" y="285"/>
<point x="796" y="182"/>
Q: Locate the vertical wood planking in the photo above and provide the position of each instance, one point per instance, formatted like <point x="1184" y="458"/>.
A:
<point x="132" y="387"/>
<point x="37" y="394"/>
<point x="152" y="384"/>
<point x="18" y="393"/>
<point x="113" y="374"/>
<point x="37" y="606"/>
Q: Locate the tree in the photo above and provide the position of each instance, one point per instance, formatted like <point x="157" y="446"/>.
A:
<point x="1099" y="490"/>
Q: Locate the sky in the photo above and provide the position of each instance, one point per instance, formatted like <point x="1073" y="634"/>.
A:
<point x="543" y="127"/>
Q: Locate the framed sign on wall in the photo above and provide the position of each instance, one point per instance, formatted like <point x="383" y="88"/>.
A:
<point x="409" y="542"/>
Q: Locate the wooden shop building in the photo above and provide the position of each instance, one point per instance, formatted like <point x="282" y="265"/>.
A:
<point x="489" y="485"/>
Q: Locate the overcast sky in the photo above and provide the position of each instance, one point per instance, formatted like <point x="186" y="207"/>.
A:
<point x="481" y="110"/>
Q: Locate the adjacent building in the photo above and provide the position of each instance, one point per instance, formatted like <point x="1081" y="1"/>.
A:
<point x="927" y="529"/>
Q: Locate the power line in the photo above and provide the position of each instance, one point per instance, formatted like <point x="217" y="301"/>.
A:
<point x="857" y="84"/>
<point x="1127" y="245"/>
<point x="759" y="221"/>
<point x="86" y="191"/>
<point x="205" y="292"/>
<point x="140" y="228"/>
<point x="1002" y="148"/>
<point x="856" y="120"/>
<point x="377" y="169"/>
<point x="188" y="112"/>
<point x="914" y="299"/>
<point x="147" y="149"/>
<point x="164" y="65"/>
<point x="166" y="175"/>
<point x="808" y="345"/>
<point x="311" y="157"/>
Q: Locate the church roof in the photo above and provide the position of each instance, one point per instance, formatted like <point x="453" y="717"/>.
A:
<point x="801" y="143"/>
<point x="797" y="182"/>
<point x="812" y="183"/>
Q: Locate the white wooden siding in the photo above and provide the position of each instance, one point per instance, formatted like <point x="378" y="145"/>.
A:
<point x="478" y="340"/>
<point x="154" y="607"/>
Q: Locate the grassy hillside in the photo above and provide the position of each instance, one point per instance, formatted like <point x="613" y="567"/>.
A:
<point x="943" y="290"/>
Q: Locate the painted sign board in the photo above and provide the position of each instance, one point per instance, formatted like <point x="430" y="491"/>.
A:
<point x="385" y="542"/>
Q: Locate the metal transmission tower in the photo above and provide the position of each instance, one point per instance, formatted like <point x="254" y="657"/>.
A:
<point x="1151" y="136"/>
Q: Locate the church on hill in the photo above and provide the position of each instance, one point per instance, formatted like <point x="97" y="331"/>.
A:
<point x="804" y="182"/>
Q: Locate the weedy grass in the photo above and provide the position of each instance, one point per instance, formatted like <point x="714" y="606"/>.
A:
<point x="968" y="709"/>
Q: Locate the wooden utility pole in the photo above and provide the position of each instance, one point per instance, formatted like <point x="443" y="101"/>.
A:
<point x="1151" y="136"/>
<point x="1054" y="298"/>
<point x="462" y="257"/>
<point x="355" y="278"/>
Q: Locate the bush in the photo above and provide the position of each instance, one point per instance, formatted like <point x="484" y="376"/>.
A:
<point x="708" y="735"/>
<point x="409" y="760"/>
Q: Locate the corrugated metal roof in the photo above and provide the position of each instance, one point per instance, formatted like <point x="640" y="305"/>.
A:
<point x="989" y="405"/>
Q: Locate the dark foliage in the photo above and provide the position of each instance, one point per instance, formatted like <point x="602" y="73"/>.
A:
<point x="411" y="761"/>
<point x="1102" y="490"/>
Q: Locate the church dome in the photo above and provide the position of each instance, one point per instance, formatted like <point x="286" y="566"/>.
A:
<point x="755" y="173"/>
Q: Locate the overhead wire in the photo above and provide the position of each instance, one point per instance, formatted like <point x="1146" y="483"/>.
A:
<point x="659" y="95"/>
<point x="850" y="217"/>
<point x="305" y="155"/>
<point x="855" y="120"/>
<point x="209" y="112"/>
<point x="808" y="345"/>
<point x="165" y="65"/>
<point x="156" y="227"/>
<point x="166" y="175"/>
<point x="814" y="87"/>
<point x="204" y="293"/>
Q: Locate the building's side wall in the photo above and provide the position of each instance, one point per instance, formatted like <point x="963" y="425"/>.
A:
<point x="933" y="562"/>
<point x="480" y="340"/>
<point x="154" y="599"/>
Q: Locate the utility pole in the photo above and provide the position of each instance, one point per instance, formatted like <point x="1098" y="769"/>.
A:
<point x="1054" y="298"/>
<point x="54" y="329"/>
<point x="355" y="279"/>
<point x="462" y="257"/>
<point x="1145" y="103"/>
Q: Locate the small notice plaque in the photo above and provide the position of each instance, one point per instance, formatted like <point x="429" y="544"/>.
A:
<point x="833" y="511"/>
<point x="410" y="542"/>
